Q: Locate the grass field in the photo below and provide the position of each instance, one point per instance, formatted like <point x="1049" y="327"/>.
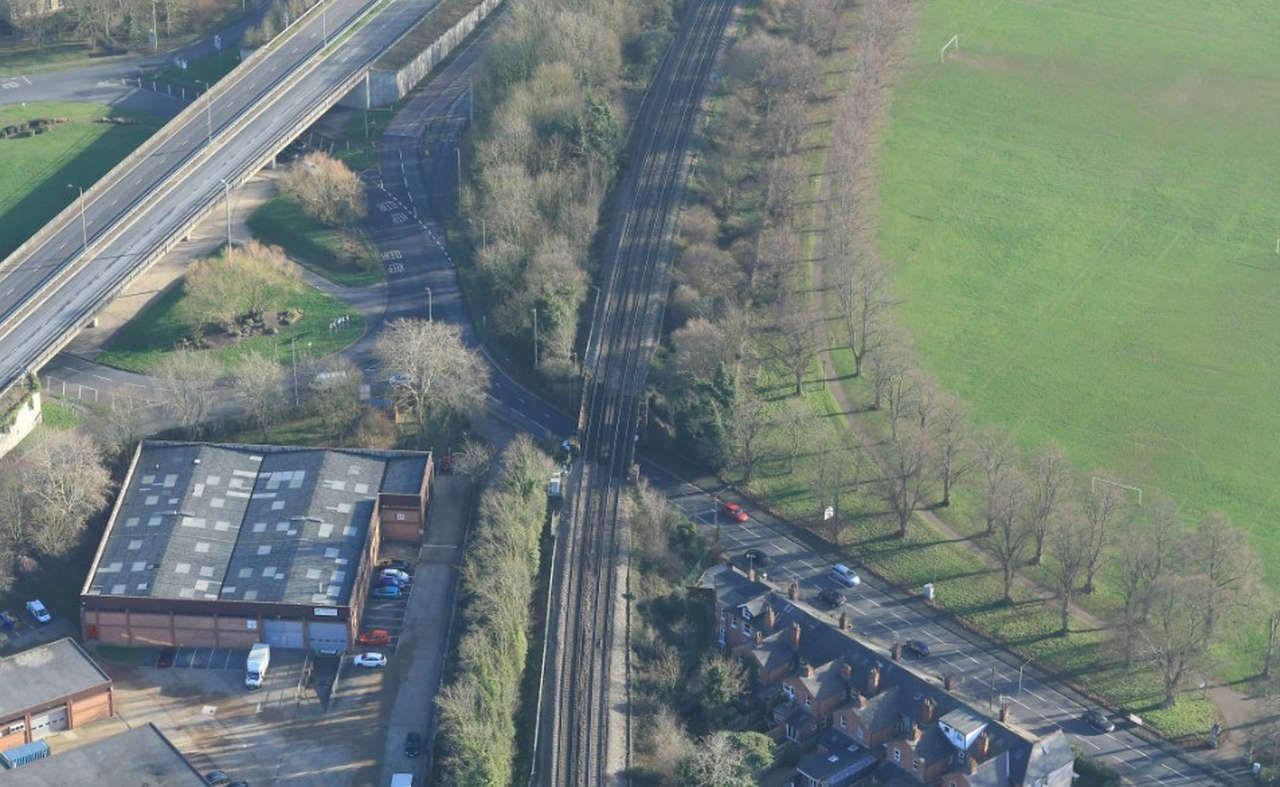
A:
<point x="35" y="171"/>
<point x="1083" y="205"/>
<point x="158" y="329"/>
<point x="344" y="257"/>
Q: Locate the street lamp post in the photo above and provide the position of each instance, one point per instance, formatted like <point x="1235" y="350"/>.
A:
<point x="208" y="107"/>
<point x="715" y="514"/>
<point x="535" y="338"/>
<point x="1021" y="667"/>
<point x="429" y="305"/>
<point x="84" y="227"/>
<point x="226" y="191"/>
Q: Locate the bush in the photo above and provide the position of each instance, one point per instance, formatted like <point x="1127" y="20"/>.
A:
<point x="328" y="190"/>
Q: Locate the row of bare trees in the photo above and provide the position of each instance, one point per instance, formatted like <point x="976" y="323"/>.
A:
<point x="111" y="24"/>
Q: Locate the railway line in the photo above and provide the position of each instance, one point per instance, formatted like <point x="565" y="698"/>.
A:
<point x="574" y="734"/>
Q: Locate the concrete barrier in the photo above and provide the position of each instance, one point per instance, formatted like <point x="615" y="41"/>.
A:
<point x="392" y="77"/>
<point x="27" y="416"/>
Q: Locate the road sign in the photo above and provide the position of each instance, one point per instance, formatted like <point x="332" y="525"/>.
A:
<point x="828" y="513"/>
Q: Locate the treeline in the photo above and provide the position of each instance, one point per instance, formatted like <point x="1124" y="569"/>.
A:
<point x="111" y="25"/>
<point x="280" y="14"/>
<point x="477" y="708"/>
<point x="689" y="730"/>
<point x="552" y="100"/>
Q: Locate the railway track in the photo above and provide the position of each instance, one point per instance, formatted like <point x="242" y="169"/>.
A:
<point x="573" y="728"/>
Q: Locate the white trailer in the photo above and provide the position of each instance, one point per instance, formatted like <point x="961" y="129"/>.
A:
<point x="256" y="667"/>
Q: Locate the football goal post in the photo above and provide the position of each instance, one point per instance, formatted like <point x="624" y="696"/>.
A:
<point x="954" y="41"/>
<point x="1097" y="479"/>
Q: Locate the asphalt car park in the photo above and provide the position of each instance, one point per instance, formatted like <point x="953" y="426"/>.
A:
<point x="387" y="614"/>
<point x="196" y="658"/>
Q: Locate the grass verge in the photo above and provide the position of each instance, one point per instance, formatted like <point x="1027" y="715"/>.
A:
<point x="342" y="256"/>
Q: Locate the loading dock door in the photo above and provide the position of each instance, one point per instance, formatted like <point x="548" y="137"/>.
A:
<point x="49" y="722"/>
<point x="325" y="637"/>
<point x="283" y="633"/>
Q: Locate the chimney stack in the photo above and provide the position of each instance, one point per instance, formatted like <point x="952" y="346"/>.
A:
<point x="914" y="733"/>
<point x="751" y="574"/>
<point x="926" y="711"/>
<point x="981" y="746"/>
<point x="808" y="670"/>
<point x="973" y="766"/>
<point x="1005" y="711"/>
<point x="949" y="682"/>
<point x="860" y="699"/>
<point x="795" y="636"/>
<point x="770" y="619"/>
<point x="873" y="681"/>
<point x="844" y="620"/>
<point x="793" y="590"/>
<point x="759" y="638"/>
<point x="897" y="651"/>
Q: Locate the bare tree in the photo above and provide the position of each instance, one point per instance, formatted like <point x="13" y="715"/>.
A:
<point x="1050" y="478"/>
<point x="839" y="467"/>
<point x="473" y="459"/>
<point x="926" y="400"/>
<point x="1102" y="506"/>
<point x="1014" y="528"/>
<point x="903" y="485"/>
<point x="887" y="365"/>
<point x="1068" y="546"/>
<point x="797" y="421"/>
<point x="328" y="190"/>
<point x="795" y="345"/>
<point x="187" y="380"/>
<point x="996" y="459"/>
<point x="1223" y="554"/>
<point x="864" y="298"/>
<point x="1273" y="639"/>
<point x="259" y="381"/>
<point x="751" y="417"/>
<point x="1177" y="635"/>
<point x="1142" y="556"/>
<point x="123" y="424"/>
<point x="433" y="372"/>
<point x="335" y="397"/>
<point x="64" y="481"/>
<point x="900" y="393"/>
<point x="951" y="438"/>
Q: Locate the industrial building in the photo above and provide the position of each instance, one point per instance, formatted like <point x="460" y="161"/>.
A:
<point x="50" y="688"/>
<point x="138" y="757"/>
<point x="216" y="545"/>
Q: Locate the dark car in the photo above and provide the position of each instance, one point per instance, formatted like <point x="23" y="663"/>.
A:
<point x="756" y="557"/>
<point x="1099" y="721"/>
<point x="8" y="621"/>
<point x="915" y="648"/>
<point x="166" y="660"/>
<point x="412" y="744"/>
<point x="217" y="777"/>
<point x="831" y="597"/>
<point x="399" y="565"/>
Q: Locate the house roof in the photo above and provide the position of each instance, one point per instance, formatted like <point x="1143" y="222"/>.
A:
<point x="140" y="756"/>
<point x="964" y="720"/>
<point x="773" y="651"/>
<point x="825" y="680"/>
<point x="837" y="763"/>
<point x="1046" y="756"/>
<point x="992" y="772"/>
<point x="246" y="522"/>
<point x="39" y="675"/>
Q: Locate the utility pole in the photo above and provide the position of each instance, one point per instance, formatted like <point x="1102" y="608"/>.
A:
<point x="293" y="353"/>
<point x="715" y="516"/>
<point x="535" y="338"/>
<point x="457" y="151"/>
<point x="324" y="23"/>
<point x="991" y="698"/>
<point x="367" y="103"/>
<point x="429" y="305"/>
<point x="226" y="191"/>
<point x="1021" y="667"/>
<point x="471" y="101"/>
<point x="84" y="227"/>
<point x="155" y="31"/>
<point x="484" y="235"/>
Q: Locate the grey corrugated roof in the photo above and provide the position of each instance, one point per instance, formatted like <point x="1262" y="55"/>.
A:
<point x="45" y="673"/>
<point x="1048" y="755"/>
<point x="404" y="475"/>
<point x="140" y="756"/>
<point x="246" y="522"/>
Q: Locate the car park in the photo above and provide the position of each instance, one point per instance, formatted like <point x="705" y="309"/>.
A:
<point x="37" y="610"/>
<point x="386" y="580"/>
<point x="370" y="660"/>
<point x="403" y="576"/>
<point x="735" y="512"/>
<point x="830" y="597"/>
<point x="916" y="648"/>
<point x="1098" y="720"/>
<point x="217" y="777"/>
<point x="756" y="557"/>
<point x="412" y="744"/>
<point x="386" y="591"/>
<point x="374" y="637"/>
<point x="845" y="575"/>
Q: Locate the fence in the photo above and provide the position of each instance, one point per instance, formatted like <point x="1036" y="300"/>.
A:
<point x="67" y="389"/>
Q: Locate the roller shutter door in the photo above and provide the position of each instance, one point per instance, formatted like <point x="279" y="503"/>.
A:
<point x="49" y="722"/>
<point x="327" y="636"/>
<point x="283" y="633"/>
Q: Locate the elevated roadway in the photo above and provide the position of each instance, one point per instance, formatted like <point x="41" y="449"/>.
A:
<point x="52" y="284"/>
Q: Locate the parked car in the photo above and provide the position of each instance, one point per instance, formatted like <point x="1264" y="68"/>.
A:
<point x="916" y="648"/>
<point x="386" y="591"/>
<point x="735" y="512"/>
<point x="375" y="637"/>
<point x="165" y="659"/>
<point x="845" y="575"/>
<point x="386" y="580"/>
<point x="401" y="565"/>
<point x="9" y="622"/>
<point x="403" y="576"/>
<point x="831" y="597"/>
<point x="217" y="777"/>
<point x="1098" y="720"/>
<point x="37" y="610"/>
<point x="756" y="557"/>
<point x="370" y="660"/>
<point x="412" y="744"/>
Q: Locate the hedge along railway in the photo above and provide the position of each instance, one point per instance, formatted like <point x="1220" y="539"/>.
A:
<point x="573" y="728"/>
<point x="52" y="284"/>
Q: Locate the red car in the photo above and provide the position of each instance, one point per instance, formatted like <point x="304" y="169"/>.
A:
<point x="375" y="637"/>
<point x="734" y="511"/>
